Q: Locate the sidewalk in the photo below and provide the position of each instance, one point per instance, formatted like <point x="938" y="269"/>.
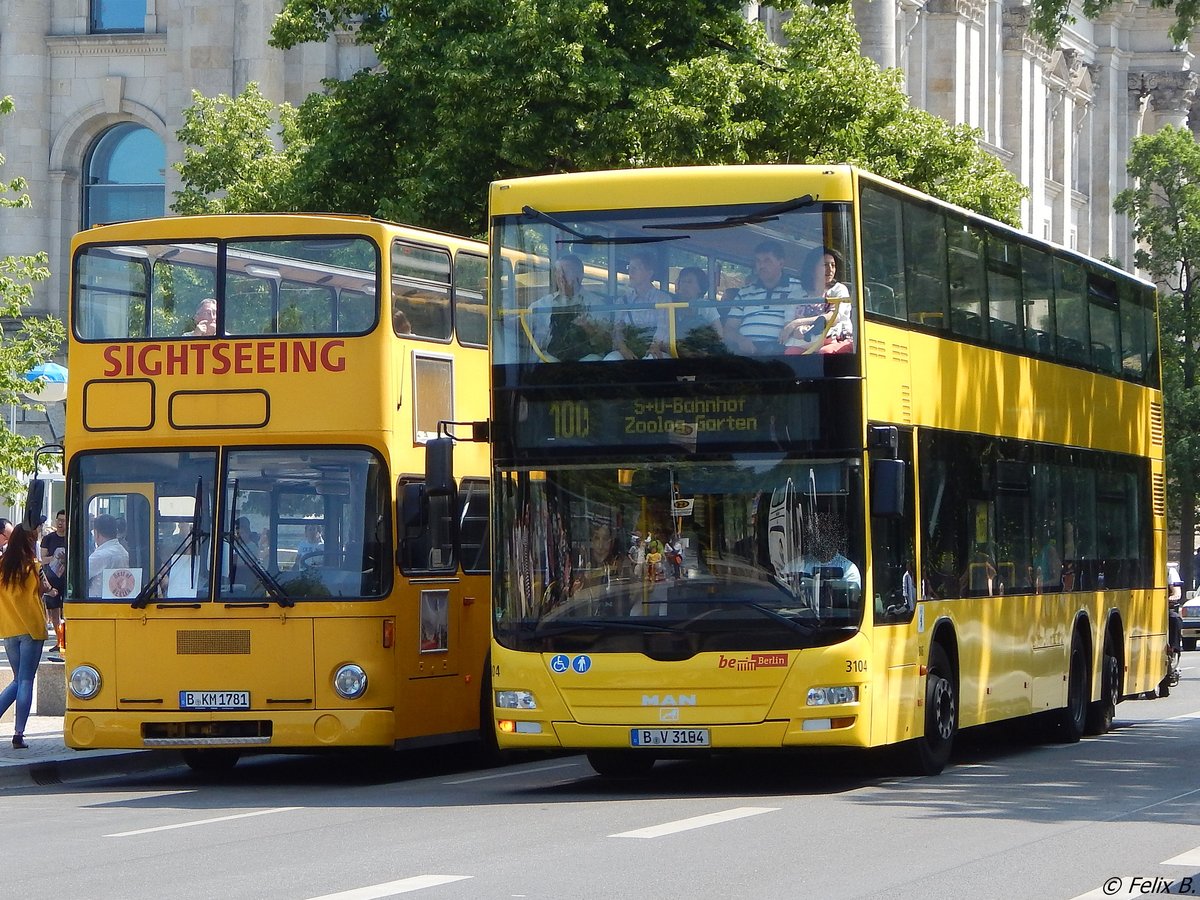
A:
<point x="48" y="761"/>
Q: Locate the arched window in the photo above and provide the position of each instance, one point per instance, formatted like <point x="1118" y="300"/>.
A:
<point x="124" y="176"/>
<point x="118" y="15"/>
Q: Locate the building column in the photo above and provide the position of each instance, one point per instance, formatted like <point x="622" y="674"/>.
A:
<point x="1171" y="95"/>
<point x="876" y="23"/>
<point x="25" y="134"/>
<point x="1023" y="61"/>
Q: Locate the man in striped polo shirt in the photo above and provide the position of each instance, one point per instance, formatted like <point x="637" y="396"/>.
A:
<point x="764" y="306"/>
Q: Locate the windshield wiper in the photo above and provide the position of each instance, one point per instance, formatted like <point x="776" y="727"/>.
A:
<point x="766" y="214"/>
<point x="241" y="550"/>
<point x="187" y="545"/>
<point x="566" y="627"/>
<point x="793" y="624"/>
<point x="579" y="237"/>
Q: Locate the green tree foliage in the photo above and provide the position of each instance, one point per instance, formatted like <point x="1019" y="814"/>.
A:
<point x="238" y="168"/>
<point x="468" y="91"/>
<point x="25" y="341"/>
<point x="1164" y="208"/>
<point x="1051" y="16"/>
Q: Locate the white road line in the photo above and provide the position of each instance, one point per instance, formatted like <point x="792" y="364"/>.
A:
<point x="729" y="815"/>
<point x="569" y="765"/>
<point x="392" y="888"/>
<point x="261" y="812"/>
<point x="1190" y="858"/>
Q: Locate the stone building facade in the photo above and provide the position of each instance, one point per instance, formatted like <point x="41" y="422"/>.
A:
<point x="100" y="86"/>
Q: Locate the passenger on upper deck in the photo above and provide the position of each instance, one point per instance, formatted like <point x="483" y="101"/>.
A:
<point x="563" y="323"/>
<point x="698" y="327"/>
<point x="205" y="318"/>
<point x="641" y="331"/>
<point x="754" y="325"/>
<point x="818" y="325"/>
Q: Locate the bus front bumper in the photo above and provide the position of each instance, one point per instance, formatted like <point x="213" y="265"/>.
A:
<point x="844" y="730"/>
<point x="280" y="730"/>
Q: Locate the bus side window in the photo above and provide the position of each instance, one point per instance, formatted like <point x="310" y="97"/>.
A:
<point x="427" y="530"/>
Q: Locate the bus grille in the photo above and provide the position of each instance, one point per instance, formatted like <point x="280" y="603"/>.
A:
<point x="1156" y="423"/>
<point x="186" y="734"/>
<point x="219" y="642"/>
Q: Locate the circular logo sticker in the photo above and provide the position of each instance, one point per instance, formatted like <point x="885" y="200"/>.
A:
<point x="581" y="664"/>
<point x="559" y="663"/>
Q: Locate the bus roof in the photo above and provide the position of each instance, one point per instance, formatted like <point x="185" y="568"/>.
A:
<point x="679" y="186"/>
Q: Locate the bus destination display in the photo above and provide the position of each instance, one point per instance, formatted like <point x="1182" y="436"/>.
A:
<point x="689" y="421"/>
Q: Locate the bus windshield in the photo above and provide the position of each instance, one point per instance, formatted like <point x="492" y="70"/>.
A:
<point x="294" y="524"/>
<point x="674" y="559"/>
<point x="752" y="280"/>
<point x="192" y="289"/>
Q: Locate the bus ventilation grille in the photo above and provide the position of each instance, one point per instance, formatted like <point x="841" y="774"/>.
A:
<point x="1156" y="423"/>
<point x="218" y="642"/>
<point x="1158" y="493"/>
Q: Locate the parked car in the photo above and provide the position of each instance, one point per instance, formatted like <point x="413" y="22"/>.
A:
<point x="1190" y="612"/>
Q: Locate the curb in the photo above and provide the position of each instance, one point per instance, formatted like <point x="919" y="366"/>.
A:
<point x="87" y="766"/>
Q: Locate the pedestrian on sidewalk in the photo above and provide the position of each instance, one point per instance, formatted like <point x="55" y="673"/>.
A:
<point x="22" y="624"/>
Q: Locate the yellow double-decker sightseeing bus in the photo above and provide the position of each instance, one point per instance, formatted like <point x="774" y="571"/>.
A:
<point x="254" y="558"/>
<point x="795" y="457"/>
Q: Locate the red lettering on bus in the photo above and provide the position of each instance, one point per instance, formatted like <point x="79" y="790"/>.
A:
<point x="304" y="361"/>
<point x="244" y="360"/>
<point x="144" y="364"/>
<point x="220" y="354"/>
<point x="327" y="359"/>
<point x="177" y="359"/>
<point x="222" y="357"/>
<point x="112" y="356"/>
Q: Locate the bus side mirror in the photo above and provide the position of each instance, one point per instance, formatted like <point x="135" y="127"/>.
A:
<point x="887" y="488"/>
<point x="439" y="466"/>
<point x="35" y="499"/>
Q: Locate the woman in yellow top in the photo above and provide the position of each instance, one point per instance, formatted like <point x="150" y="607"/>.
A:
<point x="22" y="624"/>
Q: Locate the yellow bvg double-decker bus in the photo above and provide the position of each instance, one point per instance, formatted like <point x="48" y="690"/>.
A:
<point x="254" y="561"/>
<point x="795" y="457"/>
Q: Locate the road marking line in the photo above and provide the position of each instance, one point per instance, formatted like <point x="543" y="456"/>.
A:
<point x="728" y="815"/>
<point x="391" y="888"/>
<point x="261" y="812"/>
<point x="1190" y="858"/>
<point x="569" y="765"/>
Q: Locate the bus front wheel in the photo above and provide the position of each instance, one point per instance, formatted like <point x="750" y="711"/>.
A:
<point x="620" y="763"/>
<point x="930" y="752"/>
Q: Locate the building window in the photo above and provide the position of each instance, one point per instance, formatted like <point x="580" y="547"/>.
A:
<point x="118" y="15"/>
<point x="124" y="176"/>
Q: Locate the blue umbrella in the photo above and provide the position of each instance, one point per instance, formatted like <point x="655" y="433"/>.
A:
<point x="54" y="381"/>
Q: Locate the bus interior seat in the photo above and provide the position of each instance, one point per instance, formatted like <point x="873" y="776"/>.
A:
<point x="965" y="322"/>
<point x="1005" y="332"/>
<point x="881" y="299"/>
<point x="1103" y="357"/>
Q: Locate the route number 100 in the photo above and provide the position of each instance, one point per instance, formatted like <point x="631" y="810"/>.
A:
<point x="570" y="419"/>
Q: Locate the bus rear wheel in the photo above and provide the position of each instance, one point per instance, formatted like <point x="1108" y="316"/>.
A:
<point x="1072" y="719"/>
<point x="620" y="763"/>
<point x="929" y="753"/>
<point x="211" y="762"/>
<point x="1102" y="712"/>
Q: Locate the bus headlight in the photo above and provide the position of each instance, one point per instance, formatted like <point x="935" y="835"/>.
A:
<point x="350" y="681"/>
<point x="85" y="682"/>
<point x="515" y="700"/>
<point x="827" y="696"/>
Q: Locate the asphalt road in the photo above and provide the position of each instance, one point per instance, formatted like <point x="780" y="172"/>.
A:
<point x="1011" y="818"/>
